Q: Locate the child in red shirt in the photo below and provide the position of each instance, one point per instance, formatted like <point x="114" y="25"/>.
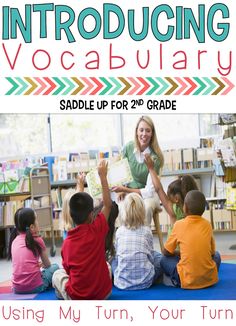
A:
<point x="86" y="275"/>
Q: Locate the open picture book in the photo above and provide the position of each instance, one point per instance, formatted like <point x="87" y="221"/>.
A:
<point x="118" y="174"/>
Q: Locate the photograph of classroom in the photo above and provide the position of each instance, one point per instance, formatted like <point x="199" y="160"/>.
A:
<point x="43" y="157"/>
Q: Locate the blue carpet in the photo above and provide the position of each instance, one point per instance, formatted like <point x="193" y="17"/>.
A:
<point x="225" y="289"/>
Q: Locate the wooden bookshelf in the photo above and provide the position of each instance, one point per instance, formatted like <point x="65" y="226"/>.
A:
<point x="40" y="189"/>
<point x="15" y="196"/>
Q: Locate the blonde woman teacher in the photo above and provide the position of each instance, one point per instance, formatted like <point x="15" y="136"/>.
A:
<point x="145" y="142"/>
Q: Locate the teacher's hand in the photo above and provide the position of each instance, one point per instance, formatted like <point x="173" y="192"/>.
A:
<point x="118" y="189"/>
<point x="149" y="162"/>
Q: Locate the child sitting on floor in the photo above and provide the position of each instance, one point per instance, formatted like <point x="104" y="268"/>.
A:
<point x="136" y="265"/>
<point x="86" y="273"/>
<point x="68" y="224"/>
<point x="174" y="199"/>
<point x="197" y="265"/>
<point x="25" y="249"/>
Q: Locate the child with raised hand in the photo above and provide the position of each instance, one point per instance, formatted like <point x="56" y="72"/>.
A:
<point x="174" y="199"/>
<point x="86" y="274"/>
<point x="68" y="223"/>
<point x="136" y="265"/>
<point x="26" y="249"/>
<point x="197" y="265"/>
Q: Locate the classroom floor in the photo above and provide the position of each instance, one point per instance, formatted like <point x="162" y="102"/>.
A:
<point x="223" y="243"/>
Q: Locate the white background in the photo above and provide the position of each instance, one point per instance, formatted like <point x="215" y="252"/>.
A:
<point x="185" y="104"/>
<point x="123" y="46"/>
<point x="149" y="313"/>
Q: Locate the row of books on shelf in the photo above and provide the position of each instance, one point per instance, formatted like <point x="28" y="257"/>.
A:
<point x="217" y="226"/>
<point x="58" y="196"/>
<point x="63" y="170"/>
<point x="7" y="212"/>
<point x="222" y="225"/>
<point x="12" y="170"/>
<point x="8" y="208"/>
<point x="67" y="167"/>
<point x="223" y="219"/>
<point x="188" y="158"/>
